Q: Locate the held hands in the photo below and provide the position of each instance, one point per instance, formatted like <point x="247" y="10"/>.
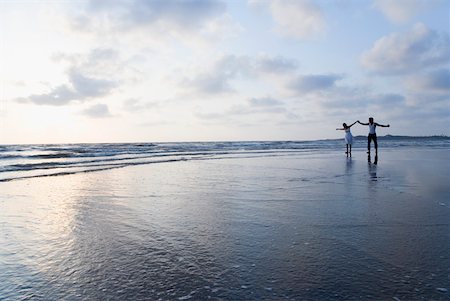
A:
<point x="361" y="123"/>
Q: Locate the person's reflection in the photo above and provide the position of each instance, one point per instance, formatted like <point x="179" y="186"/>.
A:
<point x="372" y="168"/>
<point x="374" y="161"/>
<point x="348" y="165"/>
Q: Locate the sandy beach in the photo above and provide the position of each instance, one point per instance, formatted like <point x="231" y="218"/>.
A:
<point x="313" y="226"/>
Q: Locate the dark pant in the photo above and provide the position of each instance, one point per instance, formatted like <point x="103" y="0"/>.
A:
<point x="370" y="138"/>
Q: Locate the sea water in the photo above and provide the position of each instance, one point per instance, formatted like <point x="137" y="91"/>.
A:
<point x="225" y="221"/>
<point x="26" y="161"/>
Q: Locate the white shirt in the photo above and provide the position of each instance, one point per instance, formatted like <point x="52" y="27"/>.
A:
<point x="372" y="128"/>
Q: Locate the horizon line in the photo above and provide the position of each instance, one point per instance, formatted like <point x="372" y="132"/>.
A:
<point x="227" y="141"/>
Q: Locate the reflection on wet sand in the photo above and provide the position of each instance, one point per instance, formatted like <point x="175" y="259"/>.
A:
<point x="300" y="227"/>
<point x="372" y="172"/>
<point x="375" y="161"/>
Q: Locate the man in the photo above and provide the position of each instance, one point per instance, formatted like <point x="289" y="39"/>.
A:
<point x="372" y="134"/>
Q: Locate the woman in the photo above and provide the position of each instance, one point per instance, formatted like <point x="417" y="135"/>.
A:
<point x="348" y="137"/>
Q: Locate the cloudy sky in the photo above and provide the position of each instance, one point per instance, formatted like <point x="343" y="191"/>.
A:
<point x="199" y="70"/>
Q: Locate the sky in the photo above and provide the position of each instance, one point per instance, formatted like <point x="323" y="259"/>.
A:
<point x="204" y="70"/>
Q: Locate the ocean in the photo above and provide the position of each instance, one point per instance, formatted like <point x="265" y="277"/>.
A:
<point x="282" y="220"/>
<point x="28" y="161"/>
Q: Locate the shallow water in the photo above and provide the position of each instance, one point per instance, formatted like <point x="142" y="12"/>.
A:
<point x="32" y="161"/>
<point x="299" y="226"/>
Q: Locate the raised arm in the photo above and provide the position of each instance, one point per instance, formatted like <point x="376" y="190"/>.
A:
<point x="382" y="125"/>
<point x="362" y="123"/>
<point x="352" y="124"/>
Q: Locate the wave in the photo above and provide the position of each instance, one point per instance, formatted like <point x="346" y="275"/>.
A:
<point x="25" y="161"/>
<point x="59" y="170"/>
<point x="92" y="168"/>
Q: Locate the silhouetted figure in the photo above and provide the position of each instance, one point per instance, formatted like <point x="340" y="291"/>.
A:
<point x="348" y="137"/>
<point x="373" y="136"/>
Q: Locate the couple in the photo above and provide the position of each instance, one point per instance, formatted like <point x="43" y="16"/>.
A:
<point x="372" y="135"/>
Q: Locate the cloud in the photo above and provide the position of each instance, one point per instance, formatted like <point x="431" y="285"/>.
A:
<point x="277" y="64"/>
<point x="264" y="102"/>
<point x="156" y="123"/>
<point x="217" y="79"/>
<point x="431" y="100"/>
<point x="299" y="19"/>
<point x="400" y="53"/>
<point x="79" y="88"/>
<point x="219" y="76"/>
<point x="58" y="96"/>
<point x="304" y="84"/>
<point x="88" y="76"/>
<point x="89" y="87"/>
<point x="97" y="111"/>
<point x="418" y="55"/>
<point x="388" y="100"/>
<point x="258" y="4"/>
<point x="364" y="99"/>
<point x="400" y="11"/>
<point x="253" y="107"/>
<point x="430" y="89"/>
<point x="355" y="101"/>
<point x="186" y="21"/>
<point x="422" y="114"/>
<point x="436" y="81"/>
<point x="252" y="110"/>
<point x="260" y="105"/>
<point x="210" y="116"/>
<point x="97" y="59"/>
<point x="131" y="13"/>
<point x="136" y="105"/>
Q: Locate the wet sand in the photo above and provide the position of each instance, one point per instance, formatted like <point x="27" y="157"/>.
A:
<point x="312" y="226"/>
